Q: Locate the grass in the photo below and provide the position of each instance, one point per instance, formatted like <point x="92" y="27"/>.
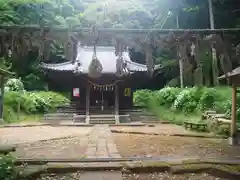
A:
<point x="22" y="117"/>
<point x="175" y="117"/>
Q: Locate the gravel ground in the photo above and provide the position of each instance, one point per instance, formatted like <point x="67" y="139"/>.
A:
<point x="67" y="176"/>
<point x="71" y="147"/>
<point x="16" y="135"/>
<point x="167" y="176"/>
<point x="147" y="145"/>
<point x="151" y="176"/>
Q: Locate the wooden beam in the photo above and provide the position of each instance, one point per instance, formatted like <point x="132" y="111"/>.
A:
<point x="2" y="98"/>
<point x="88" y="103"/>
<point x="233" y="129"/>
<point x="115" y="30"/>
<point x="116" y="95"/>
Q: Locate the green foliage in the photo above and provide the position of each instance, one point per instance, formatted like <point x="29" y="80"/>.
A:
<point x="7" y="168"/>
<point x="142" y="97"/>
<point x="167" y="95"/>
<point x="16" y="103"/>
<point x="19" y="101"/>
<point x="14" y="85"/>
<point x="188" y="100"/>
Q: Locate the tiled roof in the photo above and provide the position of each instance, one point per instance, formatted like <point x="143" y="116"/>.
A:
<point x="106" y="56"/>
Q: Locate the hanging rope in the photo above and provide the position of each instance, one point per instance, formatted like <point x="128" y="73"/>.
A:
<point x="105" y="86"/>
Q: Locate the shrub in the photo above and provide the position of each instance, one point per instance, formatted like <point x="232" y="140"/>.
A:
<point x="14" y="85"/>
<point x="53" y="99"/>
<point x="9" y="114"/>
<point x="167" y="96"/>
<point x="7" y="168"/>
<point x="31" y="102"/>
<point x="188" y="99"/>
<point x="17" y="100"/>
<point x="142" y="97"/>
<point x="41" y="105"/>
<point x="208" y="98"/>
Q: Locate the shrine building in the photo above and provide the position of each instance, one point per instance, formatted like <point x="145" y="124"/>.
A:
<point x="101" y="81"/>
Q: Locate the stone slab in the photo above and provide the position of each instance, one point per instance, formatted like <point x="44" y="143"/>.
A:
<point x="102" y="175"/>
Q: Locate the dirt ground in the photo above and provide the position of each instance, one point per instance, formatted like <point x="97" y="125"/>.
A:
<point x="17" y="135"/>
<point x="149" y="145"/>
<point x="151" y="176"/>
<point x="161" y="129"/>
<point x="166" y="176"/>
<point x="71" y="147"/>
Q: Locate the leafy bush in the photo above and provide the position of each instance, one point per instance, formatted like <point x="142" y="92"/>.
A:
<point x="41" y="104"/>
<point x="208" y="98"/>
<point x="53" y="99"/>
<point x="188" y="99"/>
<point x="19" y="101"/>
<point x="7" y="168"/>
<point x="167" y="96"/>
<point x="142" y="97"/>
<point x="187" y="103"/>
<point x="14" y="85"/>
<point x="9" y="114"/>
<point x="31" y="102"/>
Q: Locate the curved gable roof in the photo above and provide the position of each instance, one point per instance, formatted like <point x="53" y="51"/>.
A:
<point x="105" y="54"/>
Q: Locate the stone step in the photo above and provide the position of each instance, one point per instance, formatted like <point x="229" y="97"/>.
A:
<point x="102" y="122"/>
<point x="58" y="116"/>
<point x="103" y="116"/>
<point x="101" y="175"/>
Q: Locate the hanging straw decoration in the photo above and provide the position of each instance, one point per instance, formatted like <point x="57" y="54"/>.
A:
<point x="95" y="68"/>
<point x="105" y="87"/>
<point x="120" y="64"/>
<point x="78" y="69"/>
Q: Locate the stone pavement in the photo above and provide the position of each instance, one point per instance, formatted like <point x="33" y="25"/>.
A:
<point x="102" y="175"/>
<point x="101" y="143"/>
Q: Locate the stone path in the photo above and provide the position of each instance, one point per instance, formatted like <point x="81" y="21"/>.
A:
<point x="101" y="144"/>
<point x="101" y="175"/>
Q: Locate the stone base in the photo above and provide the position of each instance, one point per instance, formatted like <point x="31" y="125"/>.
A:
<point x="234" y="141"/>
<point x="87" y="120"/>
<point x="117" y="121"/>
<point x="1" y="121"/>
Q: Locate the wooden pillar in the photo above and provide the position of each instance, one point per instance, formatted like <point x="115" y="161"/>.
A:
<point x="233" y="130"/>
<point x="87" y="104"/>
<point x="2" y="98"/>
<point x="116" y="104"/>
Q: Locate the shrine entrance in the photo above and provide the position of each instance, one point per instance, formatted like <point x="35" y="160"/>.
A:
<point x="102" y="101"/>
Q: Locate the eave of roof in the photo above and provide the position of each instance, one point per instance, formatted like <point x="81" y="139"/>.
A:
<point x="106" y="56"/>
<point x="233" y="73"/>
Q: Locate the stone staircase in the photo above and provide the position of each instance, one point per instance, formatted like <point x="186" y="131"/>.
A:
<point x="102" y="119"/>
<point x="75" y="113"/>
<point x="58" y="117"/>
